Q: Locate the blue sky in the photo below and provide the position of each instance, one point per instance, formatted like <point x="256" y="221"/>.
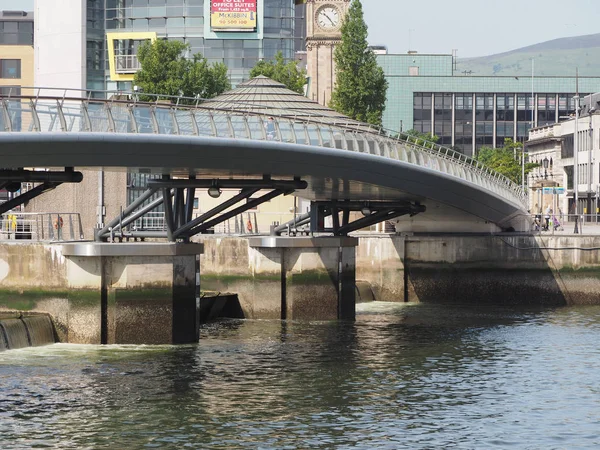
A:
<point x="473" y="27"/>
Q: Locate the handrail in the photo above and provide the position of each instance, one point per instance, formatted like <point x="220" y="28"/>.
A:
<point x="65" y="106"/>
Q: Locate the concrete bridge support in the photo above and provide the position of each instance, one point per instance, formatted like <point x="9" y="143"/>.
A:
<point x="132" y="293"/>
<point x="284" y="278"/>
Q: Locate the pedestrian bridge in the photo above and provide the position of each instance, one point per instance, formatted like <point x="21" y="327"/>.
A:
<point x="260" y="136"/>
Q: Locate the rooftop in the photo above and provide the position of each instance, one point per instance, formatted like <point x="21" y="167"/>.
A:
<point x="265" y="96"/>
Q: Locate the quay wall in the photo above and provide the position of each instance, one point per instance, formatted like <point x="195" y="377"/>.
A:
<point x="500" y="269"/>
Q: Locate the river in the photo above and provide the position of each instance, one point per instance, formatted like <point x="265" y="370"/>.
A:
<point x="401" y="376"/>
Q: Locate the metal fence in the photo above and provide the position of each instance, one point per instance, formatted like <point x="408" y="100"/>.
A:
<point x="41" y="226"/>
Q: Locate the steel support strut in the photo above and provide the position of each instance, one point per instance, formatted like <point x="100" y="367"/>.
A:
<point x="49" y="180"/>
<point x="26" y="196"/>
<point x="374" y="212"/>
<point x="178" y="200"/>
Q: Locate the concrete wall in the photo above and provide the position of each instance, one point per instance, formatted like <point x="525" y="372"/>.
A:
<point x="380" y="265"/>
<point x="502" y="269"/>
<point x="84" y="198"/>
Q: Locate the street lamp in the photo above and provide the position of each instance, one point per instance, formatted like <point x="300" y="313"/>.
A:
<point x="545" y="164"/>
<point x="591" y="110"/>
<point x="576" y="158"/>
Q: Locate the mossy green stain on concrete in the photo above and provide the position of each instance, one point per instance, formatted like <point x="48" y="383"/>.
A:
<point x="583" y="271"/>
<point x="223" y="278"/>
<point x="143" y="294"/>
<point x="310" y="277"/>
<point x="27" y="300"/>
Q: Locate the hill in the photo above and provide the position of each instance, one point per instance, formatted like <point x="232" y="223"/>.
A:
<point x="557" y="57"/>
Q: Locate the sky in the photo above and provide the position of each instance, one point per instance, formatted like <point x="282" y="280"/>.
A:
<point x="472" y="27"/>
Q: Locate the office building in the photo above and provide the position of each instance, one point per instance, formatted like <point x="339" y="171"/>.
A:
<point x="16" y="62"/>
<point x="553" y="147"/>
<point x="92" y="44"/>
<point x="16" y="51"/>
<point x="467" y="111"/>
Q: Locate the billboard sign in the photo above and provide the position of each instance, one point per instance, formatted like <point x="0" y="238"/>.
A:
<point x="233" y="15"/>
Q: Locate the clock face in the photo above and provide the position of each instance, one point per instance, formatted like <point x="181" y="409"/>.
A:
<point x="328" y="17"/>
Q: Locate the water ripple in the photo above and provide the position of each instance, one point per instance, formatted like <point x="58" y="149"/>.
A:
<point x="413" y="376"/>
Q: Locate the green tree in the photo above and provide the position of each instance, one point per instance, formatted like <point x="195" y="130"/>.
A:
<point x="166" y="71"/>
<point x="287" y="73"/>
<point x="424" y="139"/>
<point x="506" y="160"/>
<point x="360" y="87"/>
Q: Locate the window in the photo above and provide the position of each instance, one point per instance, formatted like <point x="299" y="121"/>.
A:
<point x="10" y="68"/>
<point x="16" y="33"/>
<point x="6" y="91"/>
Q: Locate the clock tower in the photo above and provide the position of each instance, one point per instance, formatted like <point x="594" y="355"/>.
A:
<point x="323" y="33"/>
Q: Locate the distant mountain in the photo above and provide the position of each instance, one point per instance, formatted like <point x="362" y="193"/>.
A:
<point x="558" y="57"/>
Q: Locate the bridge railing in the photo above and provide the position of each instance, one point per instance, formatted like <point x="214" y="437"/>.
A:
<point x="53" y="110"/>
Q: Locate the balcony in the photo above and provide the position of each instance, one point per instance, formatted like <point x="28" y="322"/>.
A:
<point x="127" y="64"/>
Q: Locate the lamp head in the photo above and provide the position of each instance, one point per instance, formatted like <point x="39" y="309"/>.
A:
<point x="214" y="191"/>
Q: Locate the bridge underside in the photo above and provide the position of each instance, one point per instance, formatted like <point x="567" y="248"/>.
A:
<point x="326" y="175"/>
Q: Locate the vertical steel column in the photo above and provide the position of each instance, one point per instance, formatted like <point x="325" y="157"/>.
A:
<point x="195" y="129"/>
<point x="34" y="116"/>
<point x="7" y="121"/>
<point x="174" y="121"/>
<point x="134" y="127"/>
<point x="191" y="193"/>
<point x="168" y="212"/>
<point x="109" y="117"/>
<point x="61" y="116"/>
<point x="180" y="211"/>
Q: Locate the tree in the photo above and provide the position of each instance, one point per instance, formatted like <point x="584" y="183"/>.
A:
<point x="166" y="71"/>
<point x="424" y="139"/>
<point x="360" y="87"/>
<point x="506" y="160"/>
<point x="287" y="73"/>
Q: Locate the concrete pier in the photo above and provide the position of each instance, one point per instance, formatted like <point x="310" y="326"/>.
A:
<point x="127" y="293"/>
<point x="147" y="291"/>
<point x="299" y="278"/>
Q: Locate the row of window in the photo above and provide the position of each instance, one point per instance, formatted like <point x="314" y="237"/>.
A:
<point x="439" y="114"/>
<point x="16" y="33"/>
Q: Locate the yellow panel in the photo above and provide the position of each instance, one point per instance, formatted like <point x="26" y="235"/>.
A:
<point x="134" y="35"/>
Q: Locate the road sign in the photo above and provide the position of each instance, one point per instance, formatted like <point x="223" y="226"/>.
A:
<point x="553" y="190"/>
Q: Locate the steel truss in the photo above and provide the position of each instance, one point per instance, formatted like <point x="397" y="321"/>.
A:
<point x="374" y="212"/>
<point x="11" y="180"/>
<point x="177" y="196"/>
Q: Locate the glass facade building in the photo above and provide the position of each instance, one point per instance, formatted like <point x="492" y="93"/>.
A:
<point x="189" y="21"/>
<point x="466" y="111"/>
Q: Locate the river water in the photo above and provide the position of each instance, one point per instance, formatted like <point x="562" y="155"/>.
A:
<point x="401" y="376"/>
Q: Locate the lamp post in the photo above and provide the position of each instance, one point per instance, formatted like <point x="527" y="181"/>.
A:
<point x="591" y="110"/>
<point x="576" y="162"/>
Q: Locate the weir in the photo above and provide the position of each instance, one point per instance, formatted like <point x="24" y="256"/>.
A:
<point x="18" y="331"/>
